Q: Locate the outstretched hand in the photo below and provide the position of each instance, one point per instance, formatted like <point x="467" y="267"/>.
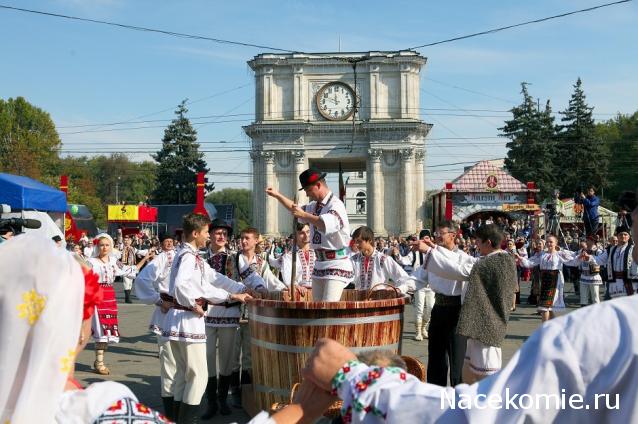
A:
<point x="423" y="246"/>
<point x="272" y="192"/>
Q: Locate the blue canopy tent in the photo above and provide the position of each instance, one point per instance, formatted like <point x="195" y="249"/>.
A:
<point x="23" y="193"/>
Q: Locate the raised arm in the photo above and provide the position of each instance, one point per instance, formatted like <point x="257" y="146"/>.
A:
<point x="144" y="286"/>
<point x="400" y="279"/>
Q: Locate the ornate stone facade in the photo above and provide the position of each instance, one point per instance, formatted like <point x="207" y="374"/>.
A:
<point x="386" y="140"/>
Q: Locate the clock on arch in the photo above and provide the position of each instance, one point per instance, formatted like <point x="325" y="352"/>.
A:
<point x="335" y="101"/>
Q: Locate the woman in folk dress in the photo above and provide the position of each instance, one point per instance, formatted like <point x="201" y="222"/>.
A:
<point x="104" y="326"/>
<point x="551" y="264"/>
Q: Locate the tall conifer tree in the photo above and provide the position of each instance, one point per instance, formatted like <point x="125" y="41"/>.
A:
<point x="179" y="161"/>
<point x="531" y="146"/>
<point x="581" y="158"/>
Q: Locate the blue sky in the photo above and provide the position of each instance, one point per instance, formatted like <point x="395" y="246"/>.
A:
<point x="84" y="73"/>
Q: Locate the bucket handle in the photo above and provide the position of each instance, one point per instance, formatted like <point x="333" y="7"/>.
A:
<point x="397" y="292"/>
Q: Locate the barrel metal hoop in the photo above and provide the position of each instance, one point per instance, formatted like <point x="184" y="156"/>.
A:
<point x="308" y="322"/>
<point x="308" y="349"/>
<point x="271" y="390"/>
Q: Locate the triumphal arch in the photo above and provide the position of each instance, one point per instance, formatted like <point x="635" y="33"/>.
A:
<point x="357" y="111"/>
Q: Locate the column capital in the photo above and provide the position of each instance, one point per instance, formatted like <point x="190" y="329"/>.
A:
<point x="268" y="157"/>
<point x="298" y="156"/>
<point x="419" y="154"/>
<point x="406" y="154"/>
<point x="375" y="154"/>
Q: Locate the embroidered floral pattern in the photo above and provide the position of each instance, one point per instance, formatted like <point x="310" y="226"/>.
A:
<point x="67" y="361"/>
<point x="332" y="273"/>
<point x="127" y="410"/>
<point x="361" y="378"/>
<point x="32" y="306"/>
<point x="183" y="335"/>
<point x="335" y="213"/>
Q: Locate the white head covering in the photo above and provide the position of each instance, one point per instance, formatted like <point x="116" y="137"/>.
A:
<point x="96" y="249"/>
<point x="41" y="298"/>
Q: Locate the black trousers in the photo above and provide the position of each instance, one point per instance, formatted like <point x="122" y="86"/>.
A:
<point x="446" y="349"/>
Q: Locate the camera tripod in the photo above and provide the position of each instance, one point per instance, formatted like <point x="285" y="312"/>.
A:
<point x="553" y="228"/>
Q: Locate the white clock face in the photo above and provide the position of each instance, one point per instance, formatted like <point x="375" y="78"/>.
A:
<point x="335" y="101"/>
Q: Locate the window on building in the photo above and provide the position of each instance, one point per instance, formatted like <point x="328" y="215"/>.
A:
<point x="361" y="202"/>
<point x="360" y="175"/>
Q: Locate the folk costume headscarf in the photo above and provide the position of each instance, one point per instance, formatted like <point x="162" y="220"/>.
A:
<point x="41" y="308"/>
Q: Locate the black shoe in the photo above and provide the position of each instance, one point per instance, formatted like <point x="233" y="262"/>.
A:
<point x="127" y="296"/>
<point x="211" y="395"/>
<point x="235" y="390"/>
<point x="222" y="394"/>
<point x="188" y="414"/>
<point x="169" y="407"/>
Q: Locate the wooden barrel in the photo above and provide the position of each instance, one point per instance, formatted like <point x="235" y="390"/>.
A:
<point x="284" y="332"/>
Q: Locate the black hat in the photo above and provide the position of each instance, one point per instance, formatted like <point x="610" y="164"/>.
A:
<point x="220" y="223"/>
<point x="425" y="232"/>
<point x="623" y="229"/>
<point x="166" y="236"/>
<point x="310" y="176"/>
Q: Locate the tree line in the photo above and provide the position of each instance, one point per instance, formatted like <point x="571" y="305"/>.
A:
<point x="574" y="153"/>
<point x="567" y="155"/>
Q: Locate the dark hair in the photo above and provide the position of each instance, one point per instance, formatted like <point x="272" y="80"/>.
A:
<point x="300" y="226"/>
<point x="450" y="225"/>
<point x="250" y="230"/>
<point x="365" y="233"/>
<point x="492" y="233"/>
<point x="194" y="222"/>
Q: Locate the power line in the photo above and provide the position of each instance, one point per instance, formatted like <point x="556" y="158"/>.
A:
<point x="244" y="44"/>
<point x="503" y="28"/>
<point x="138" y="28"/>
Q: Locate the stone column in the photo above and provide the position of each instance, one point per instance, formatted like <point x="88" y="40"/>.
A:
<point x="407" y="206"/>
<point x="258" y="190"/>
<point x="299" y="112"/>
<point x="419" y="156"/>
<point x="375" y="192"/>
<point x="405" y="90"/>
<point x="270" y="208"/>
<point x="299" y="158"/>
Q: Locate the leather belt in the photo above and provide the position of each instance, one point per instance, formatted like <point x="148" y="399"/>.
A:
<point x="168" y="298"/>
<point x="443" y="300"/>
<point x="227" y="304"/>
<point x="619" y="275"/>
<point x="330" y="255"/>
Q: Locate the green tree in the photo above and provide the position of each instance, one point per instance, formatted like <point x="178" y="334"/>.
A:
<point x="29" y="142"/>
<point x="179" y="161"/>
<point x="581" y="158"/>
<point x="532" y="143"/>
<point x="82" y="186"/>
<point x="241" y="198"/>
<point x="620" y="136"/>
<point x="120" y="179"/>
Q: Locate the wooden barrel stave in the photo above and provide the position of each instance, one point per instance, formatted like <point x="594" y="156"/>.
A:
<point x="283" y="334"/>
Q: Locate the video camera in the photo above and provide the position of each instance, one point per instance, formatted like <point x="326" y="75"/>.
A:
<point x="16" y="224"/>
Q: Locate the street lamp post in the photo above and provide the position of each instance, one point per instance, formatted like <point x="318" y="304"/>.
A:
<point x="117" y="191"/>
<point x="179" y="188"/>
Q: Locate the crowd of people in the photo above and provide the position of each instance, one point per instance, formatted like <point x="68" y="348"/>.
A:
<point x="464" y="279"/>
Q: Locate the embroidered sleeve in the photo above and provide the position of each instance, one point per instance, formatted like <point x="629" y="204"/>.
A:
<point x="360" y="388"/>
<point x="130" y="411"/>
<point x="332" y="220"/>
